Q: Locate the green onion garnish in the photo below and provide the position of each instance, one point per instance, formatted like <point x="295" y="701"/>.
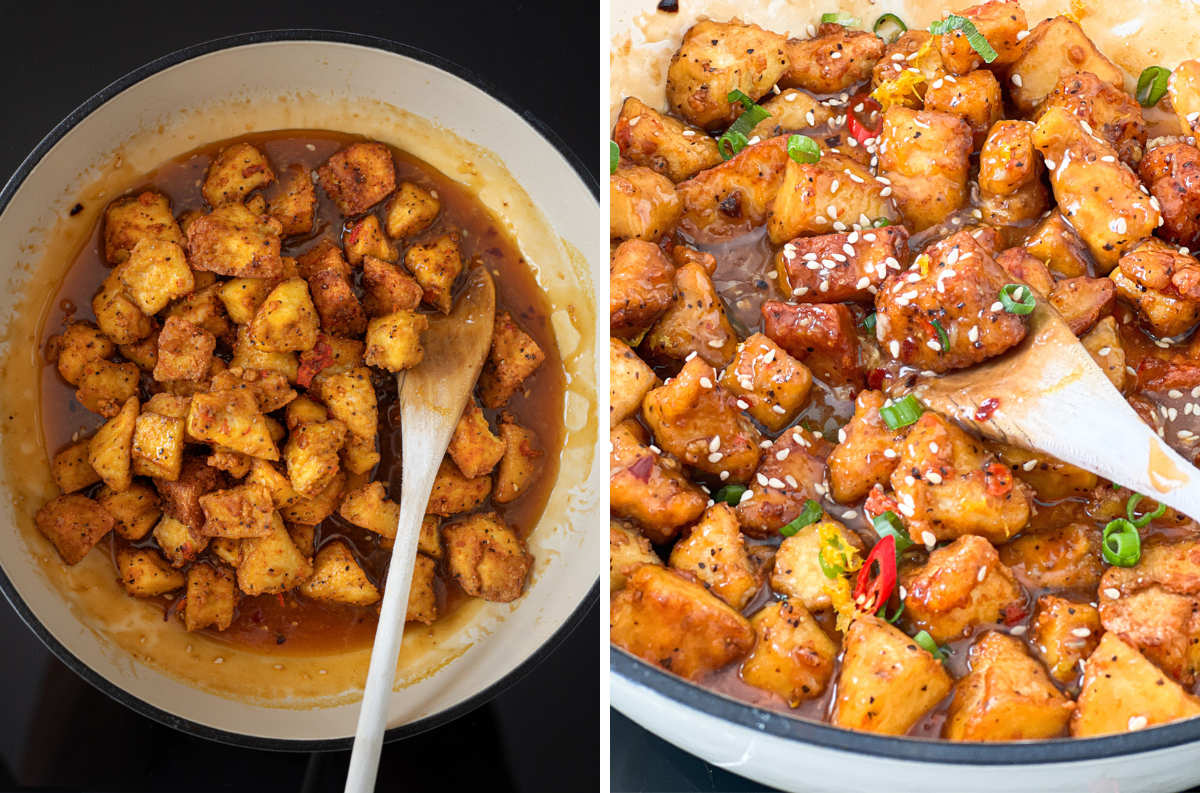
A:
<point x="1144" y="520"/>
<point x="892" y="619"/>
<point x="889" y="523"/>
<point x="842" y="18"/>
<point x="892" y="25"/>
<point x="736" y="137"/>
<point x="811" y="514"/>
<point x="943" y="338"/>
<point x="869" y="323"/>
<point x="1017" y="299"/>
<point x="880" y="223"/>
<point x="803" y="149"/>
<point x="974" y="37"/>
<point x="902" y="413"/>
<point x="1152" y="85"/>
<point x="929" y="645"/>
<point x="614" y="156"/>
<point x="730" y="494"/>
<point x="1121" y="544"/>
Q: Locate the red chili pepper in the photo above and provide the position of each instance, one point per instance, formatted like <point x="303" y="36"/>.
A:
<point x="986" y="408"/>
<point x="1014" y="614"/>
<point x="876" y="378"/>
<point x="999" y="480"/>
<point x="861" y="132"/>
<point x="879" y="502"/>
<point x="281" y="603"/>
<point x="870" y="593"/>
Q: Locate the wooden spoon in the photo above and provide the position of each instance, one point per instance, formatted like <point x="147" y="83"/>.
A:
<point x="432" y="397"/>
<point x="1053" y="398"/>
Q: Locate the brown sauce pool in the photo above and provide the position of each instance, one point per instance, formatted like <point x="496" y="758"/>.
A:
<point x="292" y="623"/>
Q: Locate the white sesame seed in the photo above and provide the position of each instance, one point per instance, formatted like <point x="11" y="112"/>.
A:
<point x="935" y="477"/>
<point x="778" y="409"/>
<point x="1137" y="723"/>
<point x="831" y="211"/>
<point x="633" y="121"/>
<point x="743" y="404"/>
<point x="889" y="453"/>
<point x="863" y="283"/>
<point x="715" y="443"/>
<point x="997" y="306"/>
<point x="1103" y="351"/>
<point x="1108" y="158"/>
<point x="835" y="55"/>
<point x="689" y="132"/>
<point x="715" y="457"/>
<point x="934" y="345"/>
<point x="841" y="435"/>
<point x="792" y="483"/>
<point x="1029" y="465"/>
<point x="1082" y="633"/>
<point x="782" y="454"/>
<point x="820" y="219"/>
<point x="929" y="539"/>
<point x="982" y="574"/>
<point x="776" y="483"/>
<point x="716" y="344"/>
<point x="1112" y="594"/>
<point x="812" y="32"/>
<point x="690" y="356"/>
<point x="724" y="475"/>
<point x="1016" y="78"/>
<point x="770" y="356"/>
<point x="218" y="660"/>
<point x="704" y="381"/>
<point x="894" y="348"/>
<point x="749" y="494"/>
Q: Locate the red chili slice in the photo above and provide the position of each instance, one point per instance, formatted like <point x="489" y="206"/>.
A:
<point x="986" y="408"/>
<point x="871" y="592"/>
<point x="999" y="480"/>
<point x="1014" y="614"/>
<point x="861" y="132"/>
<point x="879" y="502"/>
<point x="642" y="467"/>
<point x="875" y="379"/>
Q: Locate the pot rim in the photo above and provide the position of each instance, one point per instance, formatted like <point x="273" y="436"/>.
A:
<point x="18" y="178"/>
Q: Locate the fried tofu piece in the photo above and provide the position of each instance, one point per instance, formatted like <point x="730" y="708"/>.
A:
<point x="234" y="463"/>
<point x="1063" y="633"/>
<point x="314" y="510"/>
<point x="358" y="177"/>
<point x="834" y="60"/>
<point x="80" y="344"/>
<point x="422" y="599"/>
<point x="796" y="572"/>
<point x="367" y="508"/>
<point x="915" y="49"/>
<point x="135" y="509"/>
<point x="74" y="523"/>
<point x="1183" y="88"/>
<point x="109" y="449"/>
<point x="1006" y="696"/>
<point x="106" y="386"/>
<point x="735" y="196"/>
<point x="350" y="397"/>
<point x="926" y="156"/>
<point x="436" y="265"/>
<point x="474" y="448"/>
<point x="647" y="486"/>
<point x="411" y="211"/>
<point x="1007" y="161"/>
<point x="184" y="351"/>
<point x="514" y="356"/>
<point x="974" y="97"/>
<point x="664" y="144"/>
<point x="234" y="241"/>
<point x="715" y="553"/>
<point x="387" y="289"/>
<point x="247" y="356"/>
<point x="394" y="341"/>
<point x="430" y="540"/>
<point x="337" y="577"/>
<point x="366" y="238"/>
<point x="791" y="472"/>
<point x="1001" y="22"/>
<point x="277" y="484"/>
<point x="822" y="335"/>
<point x="1051" y="478"/>
<point x="331" y="355"/>
<point x="156" y="273"/>
<point x="1112" y="114"/>
<point x="1054" y="49"/>
<point x="695" y="322"/>
<point x="1172" y="172"/>
<point x="211" y="598"/>
<point x="128" y="221"/>
<point x="336" y="304"/>
<point x="71" y="469"/>
<point x="312" y="455"/>
<point x="270" y="389"/>
<point x="1124" y="692"/>
<point x="243" y="296"/>
<point x="1067" y="557"/>
<point x="203" y="309"/>
<point x="177" y="541"/>
<point x="243" y="511"/>
<point x="287" y="320"/>
<point x="453" y="492"/>
<point x="1022" y="265"/>
<point x="630" y="379"/>
<point x="1164" y="284"/>
<point x="793" y="657"/>
<point x="521" y="464"/>
<point x="643" y="204"/>
<point x="1104" y="344"/>
<point x="1056" y="243"/>
<point x="359" y="455"/>
<point x="836" y="268"/>
<point x="868" y="454"/>
<point x="231" y="418"/>
<point x="627" y="549"/>
<point x="295" y="206"/>
<point x="234" y="173"/>
<point x="117" y="315"/>
<point x="1082" y="301"/>
<point x="145" y="574"/>
<point x="486" y="557"/>
<point x="887" y="682"/>
<point x="641" y="284"/>
<point x="772" y="384"/>
<point x="181" y="497"/>
<point x="819" y="198"/>
<point x="791" y="111"/>
<point x="325" y="255"/>
<point x="272" y="564"/>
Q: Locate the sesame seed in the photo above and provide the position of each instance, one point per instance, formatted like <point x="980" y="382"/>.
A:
<point x="1103" y="351"/>
<point x="835" y="55"/>
<point x="782" y="454"/>
<point x="997" y="306"/>
<point x="935" y="477"/>
<point x="633" y="121"/>
<point x="982" y="574"/>
<point x="704" y="381"/>
<point x="933" y="447"/>
<point x="1082" y="633"/>
<point x="749" y="494"/>
<point x="770" y="356"/>
<point x="1016" y="78"/>
<point x="929" y="539"/>
<point x="776" y="483"/>
<point x="810" y="117"/>
<point x="716" y="344"/>
<point x="841" y="435"/>
<point x="715" y="457"/>
<point x="1018" y="630"/>
<point x="1029" y="465"/>
<point x="1108" y="158"/>
<point x="791" y="98"/>
<point x="778" y="409"/>
<point x="1022" y="34"/>
<point x="1112" y="593"/>
<point x="715" y="443"/>
<point x="863" y="283"/>
<point x="1137" y="722"/>
<point x="792" y="483"/>
<point x="689" y="132"/>
<point x="724" y="475"/>
<point x="934" y="345"/>
<point x="889" y="453"/>
<point x="218" y="660"/>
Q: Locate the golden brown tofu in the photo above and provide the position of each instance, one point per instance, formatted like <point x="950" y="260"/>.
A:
<point x="824" y="197"/>
<point x="1183" y="87"/>
<point x="868" y="454"/>
<point x="1124" y="692"/>
<point x="1164" y="284"/>
<point x="1001" y="22"/>
<point x="235" y="464"/>
<point x="474" y="448"/>
<point x="521" y="465"/>
<point x="1172" y="172"/>
<point x="227" y="551"/>
<point x="204" y="309"/>
<point x="411" y="211"/>
<point x="243" y="511"/>
<point x="833" y="61"/>
<point x="1056" y="243"/>
<point x="791" y="472"/>
<point x="1067" y="557"/>
<point x="454" y="493"/>
<point x="359" y="455"/>
<point x="156" y="273"/>
<point x="358" y="177"/>
<point x="1023" y="266"/>
<point x="422" y="599"/>
<point x="642" y="204"/>
<point x="312" y="511"/>
<point x="177" y="541"/>
<point x="487" y="558"/>
<point x="350" y="397"/>
<point x="242" y="297"/>
<point x="71" y="469"/>
<point x="793" y="657"/>
<point x="184" y="351"/>
<point x="74" y="523"/>
<point x="336" y="304"/>
<point x="128" y="221"/>
<point x="887" y="682"/>
<point x="735" y="196"/>
<point x="627" y="549"/>
<point x="366" y="238"/>
<point x="925" y="155"/>
<point x="1006" y="696"/>
<point x="387" y="288"/>
<point x="234" y="241"/>
<point x="715" y="553"/>
<point x="1109" y="112"/>
<point x="513" y="357"/>
<point x="641" y="289"/>
<point x="630" y="379"/>
<point x="430" y="540"/>
<point x="211" y="598"/>
<point x="1063" y="633"/>
<point x="797" y="574"/>
<point x="325" y="255"/>
<point x="135" y="509"/>
<point x="145" y="574"/>
<point x="791" y="111"/>
<point x="836" y="268"/>
<point x="271" y="564"/>
<point x="367" y="507"/>
<point x="647" y="487"/>
<point x="234" y="173"/>
<point x="287" y="320"/>
<point x="436" y="265"/>
<point x="303" y="537"/>
<point x="270" y="389"/>
<point x="769" y="384"/>
<point x="295" y="205"/>
<point x="394" y="341"/>
<point x="1007" y="161"/>
<point x="664" y="144"/>
<point x="974" y="97"/>
<point x="277" y="484"/>
<point x="105" y="386"/>
<point x="109" y="449"/>
<point x="311" y="454"/>
<point x="80" y="344"/>
<point x="822" y="335"/>
<point x="338" y="577"/>
<point x="231" y="418"/>
<point x="331" y="355"/>
<point x="670" y="621"/>
<point x="1083" y="301"/>
<point x="117" y="315"/>
<point x="1054" y="49"/>
<point x="714" y="59"/>
<point x="1104" y="344"/>
<point x="695" y="322"/>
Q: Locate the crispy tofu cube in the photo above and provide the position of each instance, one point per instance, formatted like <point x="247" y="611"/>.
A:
<point x="211" y="598"/>
<point x="974" y="97"/>
<point x="247" y="356"/>
<point x="887" y="682"/>
<point x="1022" y="265"/>
<point x="394" y="341"/>
<point x="797" y="573"/>
<point x="234" y="241"/>
<point x="1008" y="162"/>
<point x="243" y="511"/>
<point x="277" y="484"/>
<point x="642" y="204"/>
<point x="234" y="463"/>
<point x="630" y="379"/>
<point x="331" y="355"/>
<point x="204" y="309"/>
<point x="143" y="353"/>
<point x="430" y="541"/>
<point x="1055" y="48"/>
<point x="312" y="511"/>
<point x="71" y="469"/>
<point x="915" y="49"/>
<point x="128" y="221"/>
<point x="961" y="586"/>
<point x="835" y="268"/>
<point x="721" y="202"/>
<point x="106" y="386"/>
<point x="422" y="599"/>
<point x="109" y="449"/>
<point x="641" y="289"/>
<point x="184" y="351"/>
<point x="926" y="156"/>
<point x="117" y="315"/>
<point x="304" y="537"/>
<point x="287" y="320"/>
<point x="1113" y="114"/>
<point x="772" y="384"/>
<point x="311" y="454"/>
<point x="243" y="296"/>
<point x="663" y="143"/>
<point x="868" y="454"/>
<point x="367" y="508"/>
<point x="814" y="196"/>
<point x="233" y="174"/>
<point x="1104" y="344"/>
<point x="177" y="541"/>
<point x="521" y="464"/>
<point x="1172" y="172"/>
<point x="387" y="289"/>
<point x="453" y="492"/>
<point x="350" y="397"/>
<point x="358" y="177"/>
<point x="832" y="61"/>
<point x="1067" y="557"/>
<point x="228" y="551"/>
<point x="80" y="344"/>
<point x="791" y="472"/>
<point x="231" y="418"/>
<point x="435" y="266"/>
<point x="1123" y="692"/>
<point x="647" y="486"/>
<point x="676" y="624"/>
<point x="789" y="111"/>
<point x="474" y="448"/>
<point x="359" y="455"/>
<point x="1063" y="633"/>
<point x="296" y="203"/>
<point x="170" y="405"/>
<point x="157" y="448"/>
<point x="156" y="273"/>
<point x="715" y="552"/>
<point x="304" y="410"/>
<point x="793" y="657"/>
<point x="1082" y="301"/>
<point x="822" y="335"/>
<point x="1183" y="87"/>
<point x="272" y="564"/>
<point x="1007" y="696"/>
<point x="1001" y="22"/>
<point x="145" y="573"/>
<point x="695" y="321"/>
<point x="1058" y="245"/>
<point x="270" y="389"/>
<point x="336" y="304"/>
<point x="326" y="255"/>
<point x="338" y="577"/>
<point x="181" y="497"/>
<point x="411" y="211"/>
<point x="367" y="239"/>
<point x="487" y="558"/>
<point x="74" y="523"/>
<point x="627" y="549"/>
<point x="1163" y="283"/>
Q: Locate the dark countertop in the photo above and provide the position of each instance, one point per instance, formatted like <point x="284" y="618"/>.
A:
<point x="58" y="732"/>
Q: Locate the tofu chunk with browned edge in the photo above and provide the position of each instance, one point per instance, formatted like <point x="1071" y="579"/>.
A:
<point x="1164" y="284"/>
<point x="412" y="210"/>
<point x="627" y="549"/>
<point x="793" y="658"/>
<point x="486" y="557"/>
<point x="1172" y="172"/>
<point x="234" y="241"/>
<point x="338" y="577"/>
<point x="664" y="144"/>
<point x="514" y="356"/>
<point x="1063" y="633"/>
<point x="367" y="508"/>
<point x="212" y="596"/>
<point x="1054" y="49"/>
<point x="838" y="268"/>
<point x="128" y="221"/>
<point x="436" y="265"/>
<point x="145" y="574"/>
<point x="630" y="379"/>
<point x="454" y="492"/>
<point x="647" y="486"/>
<point x="925" y="156"/>
<point x="643" y="204"/>
<point x="358" y="177"/>
<point x="735" y="196"/>
<point x="641" y="282"/>
<point x="791" y="472"/>
<point x="715" y="553"/>
<point x="694" y="322"/>
<point x="833" y="60"/>
<point x="272" y="564"/>
<point x="797" y="574"/>
<point x="822" y="335"/>
<point x="825" y="197"/>
<point x="769" y="384"/>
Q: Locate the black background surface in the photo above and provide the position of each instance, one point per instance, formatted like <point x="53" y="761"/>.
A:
<point x="58" y="732"/>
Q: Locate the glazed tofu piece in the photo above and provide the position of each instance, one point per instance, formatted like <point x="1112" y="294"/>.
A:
<point x="350" y="397"/>
<point x="521" y="465"/>
<point x="824" y="197"/>
<point x="204" y="309"/>
<point x="365" y="239"/>
<point x="1109" y="112"/>
<point x="358" y="177"/>
<point x="716" y="58"/>
<point x="74" y="523"/>
<point x="272" y="564"/>
<point x="105" y="386"/>
<point x="797" y="574"/>
<point x="647" y="486"/>
<point x="769" y="384"/>
<point x="715" y="553"/>
<point x="211" y="598"/>
<point x="735" y="196"/>
<point x="1066" y="557"/>
<point x="676" y="624"/>
<point x="1183" y="87"/>
<point x="840" y="268"/>
<point x="1007" y="696"/>
<point x="117" y="315"/>
<point x="1007" y="161"/>
<point x="793" y="657"/>
<point x="80" y="344"/>
<point x="627" y="549"/>
<point x="156" y="273"/>
<point x="514" y="356"/>
<point x="367" y="508"/>
<point x="435" y="266"/>
<point x="311" y="454"/>
<point x="791" y="472"/>
<point x="422" y="600"/>
<point x="641" y="284"/>
<point x="694" y="322"/>
<point x="287" y="320"/>
<point x="1172" y="172"/>
<point x="630" y="379"/>
<point x="999" y="21"/>
<point x="235" y="173"/>
<point x="915" y="49"/>
<point x="474" y="448"/>
<point x="1104" y="344"/>
<point x="1057" y="244"/>
<point x="664" y="144"/>
<point x="243" y="511"/>
<point x="329" y="356"/>
<point x="242" y="297"/>
<point x="325" y="255"/>
<point x="359" y="455"/>
<point x="1164" y="284"/>
<point x="486" y="557"/>
<point x="697" y="420"/>
<point x="453" y="492"/>
<point x="869" y="453"/>
<point x="961" y="586"/>
<point x="1063" y="633"/>
<point x="387" y="288"/>
<point x="184" y="351"/>
<point x="974" y="97"/>
<point x="834" y="60"/>
<point x="822" y="335"/>
<point x="181" y="496"/>
<point x="1083" y="301"/>
<point x="643" y="204"/>
<point x="231" y="418"/>
<point x="1054" y="49"/>
<point x="276" y="483"/>
<point x="145" y="574"/>
<point x="234" y="241"/>
<point x="128" y="221"/>
<point x="295" y="205"/>
<point x="311" y="511"/>
<point x="1105" y="201"/>
<point x="430" y="540"/>
<point x="338" y="578"/>
<point x="791" y="111"/>
<point x="887" y="682"/>
<point x="270" y="389"/>
<point x="1124" y="692"/>
<point x="135" y="509"/>
<point x="958" y="287"/>
<point x="925" y="155"/>
<point x="109" y="449"/>
<point x="394" y="341"/>
<point x="71" y="469"/>
<point x="177" y="541"/>
<point x="336" y="304"/>
<point x="411" y="211"/>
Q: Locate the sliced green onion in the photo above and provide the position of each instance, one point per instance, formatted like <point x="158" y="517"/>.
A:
<point x="737" y="136"/>
<point x="869" y="323"/>
<point x="1121" y="544"/>
<point x="1144" y="520"/>
<point x="902" y="413"/>
<point x="1152" y="85"/>
<point x="974" y="37"/>
<point x="841" y="18"/>
<point x="892" y="619"/>
<point x="893" y="26"/>
<point x="1013" y="305"/>
<point x="880" y="223"/>
<point x="890" y="523"/>
<point x="730" y="494"/>
<point x="811" y="514"/>
<point x="929" y="645"/>
<point x="614" y="156"/>
<point x="942" y="336"/>
<point x="803" y="149"/>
